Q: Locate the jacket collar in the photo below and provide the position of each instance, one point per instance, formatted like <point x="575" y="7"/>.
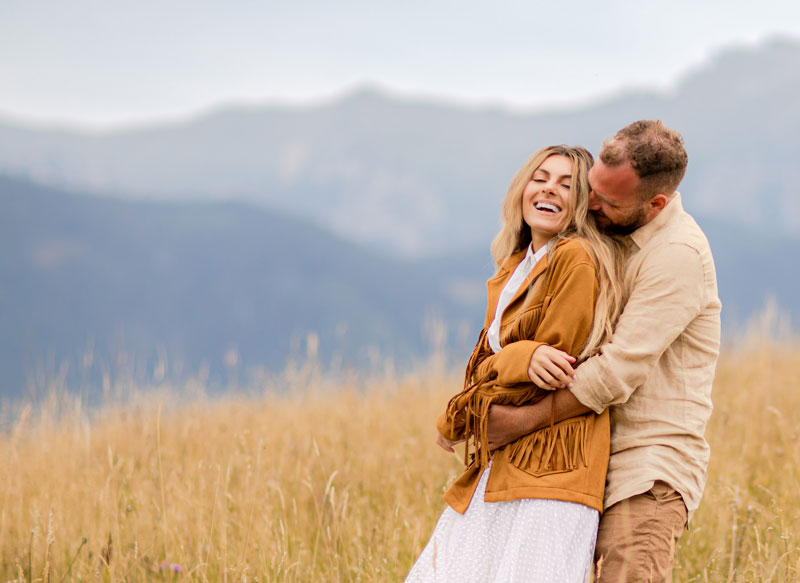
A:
<point x="496" y="284"/>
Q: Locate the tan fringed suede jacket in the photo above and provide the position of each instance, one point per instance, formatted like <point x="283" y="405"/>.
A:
<point x="568" y="460"/>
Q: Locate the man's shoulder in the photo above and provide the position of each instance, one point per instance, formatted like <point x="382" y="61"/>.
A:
<point x="683" y="228"/>
<point x="679" y="251"/>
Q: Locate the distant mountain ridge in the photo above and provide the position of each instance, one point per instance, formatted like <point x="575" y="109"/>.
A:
<point x="420" y="179"/>
<point x="93" y="285"/>
<point x="191" y="283"/>
<point x="226" y="240"/>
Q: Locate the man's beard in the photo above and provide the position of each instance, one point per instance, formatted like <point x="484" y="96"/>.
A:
<point x="630" y="224"/>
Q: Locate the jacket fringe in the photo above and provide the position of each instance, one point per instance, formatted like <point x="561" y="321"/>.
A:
<point x="556" y="448"/>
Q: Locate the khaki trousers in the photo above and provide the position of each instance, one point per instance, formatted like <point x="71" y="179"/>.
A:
<point x="636" y="538"/>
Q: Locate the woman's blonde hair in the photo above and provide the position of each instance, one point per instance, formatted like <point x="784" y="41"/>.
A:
<point x="607" y="252"/>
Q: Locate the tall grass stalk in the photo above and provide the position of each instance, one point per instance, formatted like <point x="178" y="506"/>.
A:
<point x="341" y="481"/>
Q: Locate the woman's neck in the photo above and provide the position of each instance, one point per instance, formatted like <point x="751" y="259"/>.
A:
<point x="539" y="240"/>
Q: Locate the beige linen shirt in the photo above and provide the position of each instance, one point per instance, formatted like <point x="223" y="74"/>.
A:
<point x="655" y="373"/>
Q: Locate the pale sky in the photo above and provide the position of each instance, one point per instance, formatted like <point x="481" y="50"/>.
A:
<point x="106" y="63"/>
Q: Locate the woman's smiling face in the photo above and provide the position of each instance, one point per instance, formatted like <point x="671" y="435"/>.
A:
<point x="545" y="200"/>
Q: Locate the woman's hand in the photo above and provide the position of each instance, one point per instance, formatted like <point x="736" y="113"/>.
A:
<point x="445" y="443"/>
<point x="551" y="368"/>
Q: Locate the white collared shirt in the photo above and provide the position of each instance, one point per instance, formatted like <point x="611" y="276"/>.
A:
<point x="512" y="285"/>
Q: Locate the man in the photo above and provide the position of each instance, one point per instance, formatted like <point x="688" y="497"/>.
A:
<point x="655" y="374"/>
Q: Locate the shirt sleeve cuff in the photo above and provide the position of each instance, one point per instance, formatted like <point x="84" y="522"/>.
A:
<point x="589" y="389"/>
<point x="446" y="429"/>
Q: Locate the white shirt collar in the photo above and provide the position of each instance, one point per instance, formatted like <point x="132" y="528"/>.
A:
<point x="512" y="285"/>
<point x="536" y="256"/>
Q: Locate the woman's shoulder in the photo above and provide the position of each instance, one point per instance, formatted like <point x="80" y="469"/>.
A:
<point x="510" y="262"/>
<point x="572" y="251"/>
<point x="571" y="260"/>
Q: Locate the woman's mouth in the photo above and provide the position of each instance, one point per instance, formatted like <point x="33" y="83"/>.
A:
<point x="547" y="207"/>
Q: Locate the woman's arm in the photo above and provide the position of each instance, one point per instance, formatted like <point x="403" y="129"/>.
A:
<point x="568" y="311"/>
<point x="566" y="323"/>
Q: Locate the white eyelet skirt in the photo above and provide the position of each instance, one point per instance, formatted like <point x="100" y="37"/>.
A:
<point x="516" y="541"/>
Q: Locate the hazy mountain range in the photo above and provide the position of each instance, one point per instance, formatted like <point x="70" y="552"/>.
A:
<point x="96" y="285"/>
<point x="423" y="178"/>
<point x="102" y="285"/>
<point x="241" y="232"/>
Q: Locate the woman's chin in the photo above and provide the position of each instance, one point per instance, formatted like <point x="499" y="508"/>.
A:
<point x="544" y="232"/>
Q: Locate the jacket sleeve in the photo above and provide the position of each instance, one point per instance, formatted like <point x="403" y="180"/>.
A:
<point x="565" y="324"/>
<point x="666" y="295"/>
<point x="452" y="431"/>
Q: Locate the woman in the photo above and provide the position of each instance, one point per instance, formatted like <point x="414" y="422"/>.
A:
<point x="529" y="511"/>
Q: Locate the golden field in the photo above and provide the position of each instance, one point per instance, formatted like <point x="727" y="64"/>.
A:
<point x="337" y="481"/>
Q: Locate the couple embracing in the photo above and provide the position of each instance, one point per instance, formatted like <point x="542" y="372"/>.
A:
<point x="586" y="397"/>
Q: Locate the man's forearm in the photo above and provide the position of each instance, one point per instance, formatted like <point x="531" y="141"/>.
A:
<point x="538" y="416"/>
<point x="566" y="407"/>
<point x="508" y="423"/>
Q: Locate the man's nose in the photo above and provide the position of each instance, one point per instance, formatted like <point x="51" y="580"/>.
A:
<point x="594" y="202"/>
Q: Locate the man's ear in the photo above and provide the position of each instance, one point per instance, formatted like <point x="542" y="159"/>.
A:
<point x="657" y="203"/>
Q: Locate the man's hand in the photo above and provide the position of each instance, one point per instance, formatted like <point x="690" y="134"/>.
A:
<point x="445" y="443"/>
<point x="507" y="423"/>
<point x="551" y="368"/>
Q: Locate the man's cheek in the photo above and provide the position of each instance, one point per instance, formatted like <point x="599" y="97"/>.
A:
<point x="601" y="218"/>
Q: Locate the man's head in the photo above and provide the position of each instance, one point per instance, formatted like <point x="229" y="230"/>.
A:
<point x="636" y="175"/>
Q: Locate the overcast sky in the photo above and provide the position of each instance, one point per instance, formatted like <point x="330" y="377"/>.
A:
<point x="105" y="63"/>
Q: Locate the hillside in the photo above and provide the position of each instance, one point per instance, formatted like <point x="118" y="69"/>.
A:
<point x="418" y="178"/>
<point x="102" y="285"/>
<point x="94" y="285"/>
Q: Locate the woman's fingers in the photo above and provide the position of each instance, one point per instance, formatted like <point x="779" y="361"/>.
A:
<point x="537" y="374"/>
<point x="551" y="368"/>
<point x="564" y="362"/>
<point x="543" y="378"/>
<point x="557" y="357"/>
<point x="558" y="372"/>
<point x="560" y="358"/>
<point x="445" y="444"/>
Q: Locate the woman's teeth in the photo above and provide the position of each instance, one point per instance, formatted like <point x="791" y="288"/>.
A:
<point x="546" y="206"/>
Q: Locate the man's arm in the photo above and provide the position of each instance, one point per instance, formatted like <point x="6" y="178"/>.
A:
<point x="508" y="423"/>
<point x="666" y="295"/>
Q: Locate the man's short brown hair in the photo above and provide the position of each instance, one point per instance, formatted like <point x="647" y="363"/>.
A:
<point x="655" y="152"/>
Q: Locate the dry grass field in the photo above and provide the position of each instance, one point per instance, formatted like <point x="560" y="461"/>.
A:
<point x="338" y="481"/>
